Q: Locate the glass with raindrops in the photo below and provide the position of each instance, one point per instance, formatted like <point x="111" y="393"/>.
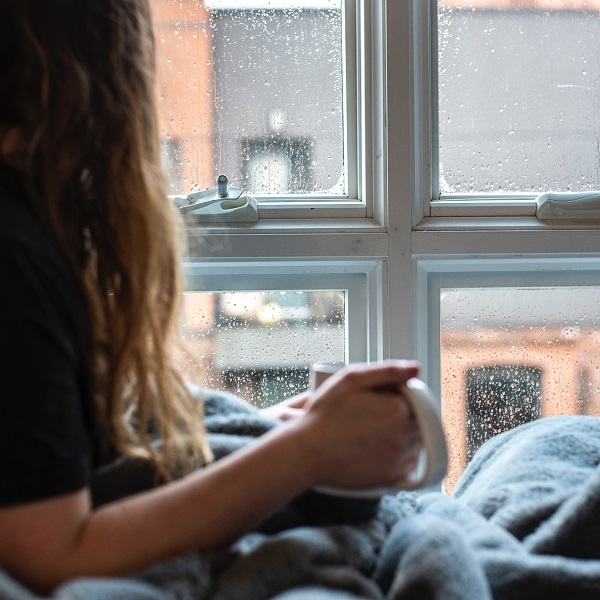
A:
<point x="518" y="96"/>
<point x="260" y="345"/>
<point x="512" y="355"/>
<point x="253" y="89"/>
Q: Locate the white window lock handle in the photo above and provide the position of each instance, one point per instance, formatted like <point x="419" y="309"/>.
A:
<point x="222" y="204"/>
<point x="568" y="205"/>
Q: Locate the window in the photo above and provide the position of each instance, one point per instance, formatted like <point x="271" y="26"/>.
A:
<point x="260" y="345"/>
<point x="513" y="346"/>
<point x="396" y="153"/>
<point x="522" y="130"/>
<point x="242" y="76"/>
<point x="257" y="334"/>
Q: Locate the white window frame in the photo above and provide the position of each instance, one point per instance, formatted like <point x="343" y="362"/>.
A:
<point x="358" y="134"/>
<point x="362" y="286"/>
<point x="405" y="236"/>
<point x="457" y="206"/>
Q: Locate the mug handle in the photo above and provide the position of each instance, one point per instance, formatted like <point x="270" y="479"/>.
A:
<point x="433" y="462"/>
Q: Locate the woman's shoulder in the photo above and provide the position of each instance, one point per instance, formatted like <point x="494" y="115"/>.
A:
<point x="28" y="257"/>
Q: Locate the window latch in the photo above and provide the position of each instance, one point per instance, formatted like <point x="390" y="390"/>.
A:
<point x="568" y="205"/>
<point x="222" y="204"/>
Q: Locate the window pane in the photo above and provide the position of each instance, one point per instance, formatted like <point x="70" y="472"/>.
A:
<point x="519" y="95"/>
<point x="512" y="355"/>
<point x="260" y="345"/>
<point x="253" y="90"/>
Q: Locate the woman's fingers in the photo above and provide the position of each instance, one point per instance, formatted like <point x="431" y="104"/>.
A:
<point x="386" y="376"/>
<point x="370" y="433"/>
<point x="291" y="408"/>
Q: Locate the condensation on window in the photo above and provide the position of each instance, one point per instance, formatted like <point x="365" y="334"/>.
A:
<point x="253" y="90"/>
<point x="519" y="96"/>
<point x="260" y="345"/>
<point x="512" y="355"/>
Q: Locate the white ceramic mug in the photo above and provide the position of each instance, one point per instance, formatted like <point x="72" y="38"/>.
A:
<point x="433" y="462"/>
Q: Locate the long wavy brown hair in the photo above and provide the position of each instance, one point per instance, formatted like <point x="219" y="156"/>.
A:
<point x="77" y="90"/>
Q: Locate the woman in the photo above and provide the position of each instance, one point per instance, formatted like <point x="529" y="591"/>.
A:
<point x="88" y="314"/>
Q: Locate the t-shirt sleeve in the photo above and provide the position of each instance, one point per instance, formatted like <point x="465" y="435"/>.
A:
<point x="44" y="441"/>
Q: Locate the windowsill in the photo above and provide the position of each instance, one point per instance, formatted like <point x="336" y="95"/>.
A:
<point x="353" y="239"/>
<point x="365" y="239"/>
<point x="520" y="237"/>
<point x="516" y="223"/>
<point x="310" y="208"/>
<point x="288" y="226"/>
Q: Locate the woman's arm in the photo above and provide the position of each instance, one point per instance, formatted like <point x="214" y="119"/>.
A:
<point x="351" y="435"/>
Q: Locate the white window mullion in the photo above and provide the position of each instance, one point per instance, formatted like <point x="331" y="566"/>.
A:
<point x="407" y="171"/>
<point x="360" y="280"/>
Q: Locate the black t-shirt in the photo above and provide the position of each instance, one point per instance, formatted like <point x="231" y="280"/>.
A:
<point x="46" y="420"/>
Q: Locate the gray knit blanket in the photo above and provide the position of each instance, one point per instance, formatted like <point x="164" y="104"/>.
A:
<point x="523" y="522"/>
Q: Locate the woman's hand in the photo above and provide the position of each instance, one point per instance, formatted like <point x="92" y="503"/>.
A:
<point x="361" y="429"/>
